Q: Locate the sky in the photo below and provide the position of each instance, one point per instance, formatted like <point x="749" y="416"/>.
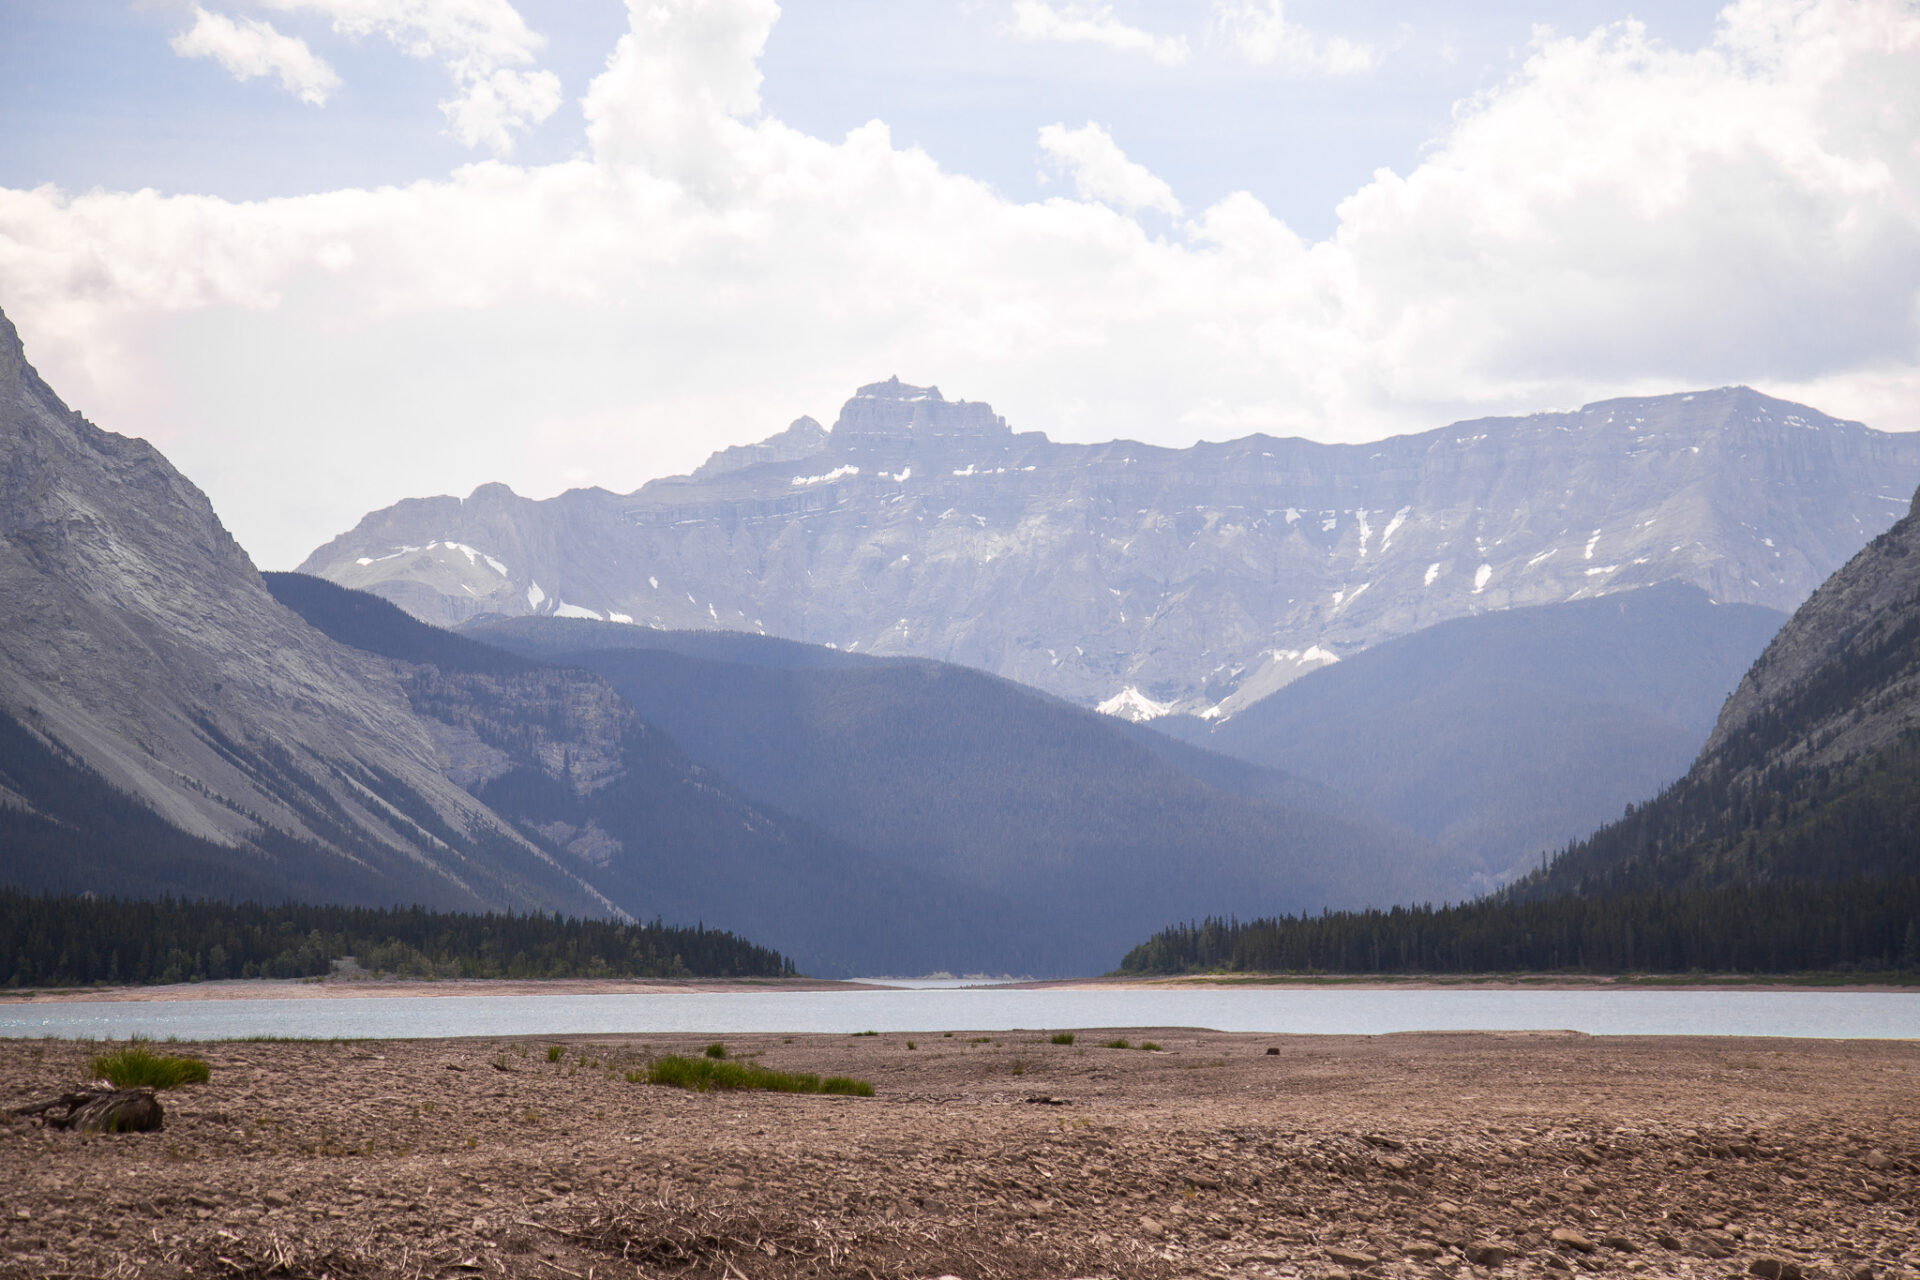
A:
<point x="328" y="254"/>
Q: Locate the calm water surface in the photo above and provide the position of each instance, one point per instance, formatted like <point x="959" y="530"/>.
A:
<point x="1821" y="1014"/>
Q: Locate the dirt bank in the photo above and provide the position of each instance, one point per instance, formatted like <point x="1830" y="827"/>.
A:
<point x="1418" y="1155"/>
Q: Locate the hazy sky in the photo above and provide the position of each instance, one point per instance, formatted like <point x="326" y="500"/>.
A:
<point x="332" y="253"/>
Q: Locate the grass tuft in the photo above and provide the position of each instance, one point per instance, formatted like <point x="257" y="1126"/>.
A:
<point x="716" y="1051"/>
<point x="555" y="1052"/>
<point x="138" y="1067"/>
<point x="1115" y="1044"/>
<point x="704" y="1074"/>
<point x="1062" y="1037"/>
<point x="1150" y="1046"/>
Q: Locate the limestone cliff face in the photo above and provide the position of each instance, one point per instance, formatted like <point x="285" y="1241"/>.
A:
<point x="1162" y="579"/>
<point x="139" y="639"/>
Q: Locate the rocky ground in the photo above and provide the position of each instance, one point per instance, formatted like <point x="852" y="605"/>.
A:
<point x="987" y="1156"/>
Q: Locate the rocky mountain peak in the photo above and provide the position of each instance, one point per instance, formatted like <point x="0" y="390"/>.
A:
<point x="803" y="438"/>
<point x="894" y="389"/>
<point x="889" y="417"/>
<point x="1201" y="578"/>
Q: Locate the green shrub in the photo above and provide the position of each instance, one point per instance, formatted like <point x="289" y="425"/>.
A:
<point x="704" y="1074"/>
<point x="138" y="1067"/>
<point x="1062" y="1037"/>
<point x="865" y="1033"/>
<point x="554" y="1052"/>
<point x="716" y="1051"/>
<point x="1115" y="1044"/>
<point x="1150" y="1046"/>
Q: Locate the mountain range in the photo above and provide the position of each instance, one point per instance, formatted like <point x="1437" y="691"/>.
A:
<point x="172" y="721"/>
<point x="1151" y="581"/>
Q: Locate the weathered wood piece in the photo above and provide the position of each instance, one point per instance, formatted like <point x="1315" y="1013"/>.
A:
<point x="100" y="1111"/>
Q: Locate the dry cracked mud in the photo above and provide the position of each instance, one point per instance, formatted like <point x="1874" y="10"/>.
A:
<point x="987" y="1155"/>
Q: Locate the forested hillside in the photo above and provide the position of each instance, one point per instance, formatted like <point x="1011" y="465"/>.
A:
<point x="1793" y="843"/>
<point x="1506" y="734"/>
<point x="556" y="749"/>
<point x="961" y="774"/>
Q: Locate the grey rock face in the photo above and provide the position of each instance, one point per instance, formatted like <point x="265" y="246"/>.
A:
<point x="139" y="638"/>
<point x="1148" y="579"/>
<point x="1842" y="677"/>
<point x="801" y="440"/>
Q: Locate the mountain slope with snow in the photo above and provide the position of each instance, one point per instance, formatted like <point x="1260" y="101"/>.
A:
<point x="1198" y="579"/>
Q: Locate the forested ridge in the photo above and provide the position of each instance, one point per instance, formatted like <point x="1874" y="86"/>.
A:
<point x="1782" y="870"/>
<point x="72" y="940"/>
<point x="1861" y="926"/>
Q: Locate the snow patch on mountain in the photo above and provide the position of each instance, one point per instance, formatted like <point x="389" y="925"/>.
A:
<point x="1131" y="704"/>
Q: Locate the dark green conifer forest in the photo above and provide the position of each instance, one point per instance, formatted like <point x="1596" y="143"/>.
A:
<point x="69" y="940"/>
<point x="1857" y="926"/>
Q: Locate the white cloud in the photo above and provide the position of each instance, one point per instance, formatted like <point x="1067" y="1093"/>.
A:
<point x="1101" y="171"/>
<point x="1258" y="31"/>
<point x="249" y="48"/>
<point x="1619" y="217"/>
<point x="1075" y="22"/>
<point x="480" y="41"/>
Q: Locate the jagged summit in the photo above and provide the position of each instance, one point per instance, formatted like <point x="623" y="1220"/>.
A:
<point x="894" y="389"/>
<point x="887" y="417"/>
<point x="802" y="439"/>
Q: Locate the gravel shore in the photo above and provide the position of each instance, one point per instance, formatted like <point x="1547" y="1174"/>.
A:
<point x="987" y="1155"/>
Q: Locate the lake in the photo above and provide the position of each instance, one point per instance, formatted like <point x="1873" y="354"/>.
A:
<point x="1278" y="1011"/>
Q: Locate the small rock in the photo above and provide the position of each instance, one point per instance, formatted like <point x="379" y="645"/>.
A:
<point x="1667" y="1240"/>
<point x="1554" y="1262"/>
<point x="1878" y="1161"/>
<point x="1619" y="1244"/>
<point x="1708" y="1247"/>
<point x="1273" y="1053"/>
<point x="1774" y="1269"/>
<point x="1152" y="1228"/>
<point x="274" y="1200"/>
<point x="1485" y="1253"/>
<point x="1568" y="1238"/>
<point x="1422" y="1251"/>
<point x="1352" y="1258"/>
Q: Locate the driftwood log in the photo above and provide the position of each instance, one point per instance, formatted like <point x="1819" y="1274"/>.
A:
<point x="100" y="1111"/>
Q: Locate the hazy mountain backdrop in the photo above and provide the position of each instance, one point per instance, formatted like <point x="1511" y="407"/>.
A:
<point x="1149" y="579"/>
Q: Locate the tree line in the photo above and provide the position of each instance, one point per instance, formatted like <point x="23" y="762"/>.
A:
<point x="1864" y="926"/>
<point x="76" y="940"/>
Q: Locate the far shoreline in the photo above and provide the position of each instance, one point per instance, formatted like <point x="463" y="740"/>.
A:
<point x="361" y="987"/>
